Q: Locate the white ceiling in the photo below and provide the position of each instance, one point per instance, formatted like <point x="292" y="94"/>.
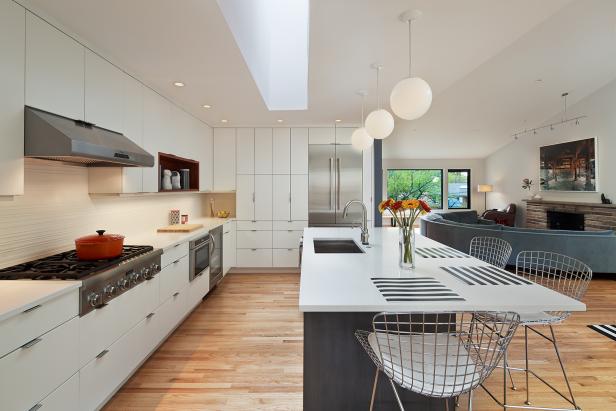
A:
<point x="480" y="56"/>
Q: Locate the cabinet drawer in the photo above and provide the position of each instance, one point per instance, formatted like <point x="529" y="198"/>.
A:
<point x="64" y="398"/>
<point x="246" y="225"/>
<point x="286" y="257"/>
<point x="105" y="373"/>
<point x="254" y="258"/>
<point x="33" y="371"/>
<point x="100" y="328"/>
<point x="173" y="278"/>
<point x="197" y="289"/>
<point x="290" y="225"/>
<point x="37" y="320"/>
<point x="287" y="239"/>
<point x="173" y="253"/>
<point x="166" y="317"/>
<point x="254" y="239"/>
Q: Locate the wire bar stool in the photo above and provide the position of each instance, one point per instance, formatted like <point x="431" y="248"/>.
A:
<point x="439" y="355"/>
<point x="491" y="250"/>
<point x="562" y="274"/>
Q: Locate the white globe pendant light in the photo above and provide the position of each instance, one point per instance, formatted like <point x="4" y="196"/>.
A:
<point x="360" y="139"/>
<point x="411" y="98"/>
<point x="380" y="122"/>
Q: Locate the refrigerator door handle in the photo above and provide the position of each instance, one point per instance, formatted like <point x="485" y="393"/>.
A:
<point x="338" y="184"/>
<point x="331" y="171"/>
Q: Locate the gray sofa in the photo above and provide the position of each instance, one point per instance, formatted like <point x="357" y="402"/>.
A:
<point x="457" y="229"/>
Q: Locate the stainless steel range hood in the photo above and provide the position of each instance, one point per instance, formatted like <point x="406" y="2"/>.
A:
<point x="53" y="137"/>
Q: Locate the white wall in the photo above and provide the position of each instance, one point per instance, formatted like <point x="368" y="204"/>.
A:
<point x="520" y="159"/>
<point x="477" y="167"/>
<point x="56" y="208"/>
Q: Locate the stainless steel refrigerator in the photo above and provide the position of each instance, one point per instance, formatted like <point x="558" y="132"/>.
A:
<point x="335" y="177"/>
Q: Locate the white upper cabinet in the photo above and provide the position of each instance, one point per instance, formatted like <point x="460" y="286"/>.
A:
<point x="104" y="93"/>
<point x="322" y="135"/>
<point x="263" y="151"/>
<point x="299" y="151"/>
<point x="343" y="135"/>
<point x="299" y="197"/>
<point x="54" y="70"/>
<point x="132" y="126"/>
<point x="204" y="144"/>
<point x="12" y="50"/>
<point x="224" y="159"/>
<point x="245" y="150"/>
<point x="281" y="198"/>
<point x="245" y="197"/>
<point x="156" y="114"/>
<point x="263" y="197"/>
<point x="281" y="151"/>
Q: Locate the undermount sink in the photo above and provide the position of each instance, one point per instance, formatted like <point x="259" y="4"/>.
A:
<point x="336" y="246"/>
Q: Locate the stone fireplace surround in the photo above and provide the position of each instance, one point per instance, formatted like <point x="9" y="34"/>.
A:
<point x="597" y="216"/>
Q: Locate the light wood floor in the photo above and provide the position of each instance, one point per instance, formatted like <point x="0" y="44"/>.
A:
<point x="241" y="349"/>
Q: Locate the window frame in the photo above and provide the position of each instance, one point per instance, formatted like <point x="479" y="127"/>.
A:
<point x="441" y="170"/>
<point x="468" y="187"/>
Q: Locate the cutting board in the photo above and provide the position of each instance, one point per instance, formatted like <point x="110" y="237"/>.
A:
<point x="180" y="228"/>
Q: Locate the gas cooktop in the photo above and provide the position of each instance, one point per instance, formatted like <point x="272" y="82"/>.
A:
<point x="66" y="266"/>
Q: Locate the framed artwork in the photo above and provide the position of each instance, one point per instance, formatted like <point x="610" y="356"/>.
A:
<point x="570" y="166"/>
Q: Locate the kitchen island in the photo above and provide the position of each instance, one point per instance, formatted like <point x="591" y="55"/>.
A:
<point x="338" y="297"/>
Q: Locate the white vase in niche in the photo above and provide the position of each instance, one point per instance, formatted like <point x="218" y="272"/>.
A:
<point x="166" y="181"/>
<point x="176" y="183"/>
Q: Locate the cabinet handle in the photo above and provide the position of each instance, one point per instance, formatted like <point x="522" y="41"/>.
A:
<point x="36" y="407"/>
<point x="32" y="309"/>
<point x="226" y="232"/>
<point x="289" y="197"/>
<point x="32" y="343"/>
<point x="290" y="231"/>
<point x="253" y="197"/>
<point x="175" y="262"/>
<point x="150" y="315"/>
<point x="253" y="249"/>
<point x="289" y="249"/>
<point x="102" y="354"/>
<point x="175" y="294"/>
<point x="177" y="245"/>
<point x="253" y="230"/>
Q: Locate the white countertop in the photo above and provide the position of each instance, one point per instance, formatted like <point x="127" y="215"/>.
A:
<point x="168" y="240"/>
<point x="17" y="296"/>
<point x="342" y="282"/>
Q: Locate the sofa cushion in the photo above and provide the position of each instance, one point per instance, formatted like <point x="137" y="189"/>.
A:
<point x="468" y="217"/>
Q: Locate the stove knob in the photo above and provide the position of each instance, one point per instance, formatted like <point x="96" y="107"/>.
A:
<point x="94" y="299"/>
<point x="155" y="268"/>
<point x="123" y="283"/>
<point x="109" y="290"/>
<point x="136" y="277"/>
<point x="145" y="273"/>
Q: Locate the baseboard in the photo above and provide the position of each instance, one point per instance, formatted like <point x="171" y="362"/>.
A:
<point x="264" y="270"/>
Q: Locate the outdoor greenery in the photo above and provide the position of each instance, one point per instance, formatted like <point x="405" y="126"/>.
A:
<point x="422" y="184"/>
<point x="458" y="193"/>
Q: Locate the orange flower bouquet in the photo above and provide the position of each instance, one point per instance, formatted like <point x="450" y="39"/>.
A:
<point x="405" y="212"/>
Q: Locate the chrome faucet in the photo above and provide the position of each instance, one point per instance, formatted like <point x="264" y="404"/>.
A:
<point x="364" y="227"/>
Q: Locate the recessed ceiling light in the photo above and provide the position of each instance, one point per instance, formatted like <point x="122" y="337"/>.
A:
<point x="206" y="106"/>
<point x="539" y="80"/>
<point x="224" y="120"/>
<point x="280" y="121"/>
<point x="338" y="120"/>
<point x="178" y="84"/>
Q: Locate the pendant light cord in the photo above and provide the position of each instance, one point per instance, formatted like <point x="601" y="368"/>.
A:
<point x="410" y="44"/>
<point x="363" y="101"/>
<point x="378" y="95"/>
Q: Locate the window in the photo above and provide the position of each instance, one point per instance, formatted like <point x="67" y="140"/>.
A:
<point x="459" y="189"/>
<point x="425" y="184"/>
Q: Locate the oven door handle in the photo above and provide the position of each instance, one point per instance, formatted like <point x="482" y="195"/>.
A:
<point x="213" y="243"/>
<point x="200" y="246"/>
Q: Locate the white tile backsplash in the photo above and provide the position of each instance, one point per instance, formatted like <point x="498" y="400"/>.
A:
<point x="56" y="208"/>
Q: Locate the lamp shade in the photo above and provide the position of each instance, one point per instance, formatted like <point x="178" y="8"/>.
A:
<point x="485" y="188"/>
<point x="379" y="124"/>
<point x="360" y="139"/>
<point x="411" y="98"/>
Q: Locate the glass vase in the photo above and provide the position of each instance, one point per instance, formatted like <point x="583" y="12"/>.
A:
<point x="407" y="248"/>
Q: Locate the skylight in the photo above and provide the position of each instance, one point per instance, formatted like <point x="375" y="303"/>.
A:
<point x="273" y="38"/>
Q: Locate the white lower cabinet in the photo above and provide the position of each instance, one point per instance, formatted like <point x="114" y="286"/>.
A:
<point x="165" y="319"/>
<point x="197" y="289"/>
<point x="35" y="370"/>
<point x="254" y="239"/>
<point x="173" y="278"/>
<point x="229" y="245"/>
<point x="100" y="328"/>
<point x="254" y="257"/>
<point x="64" y="398"/>
<point x="286" y="257"/>
<point x="100" y="378"/>
<point x="287" y="239"/>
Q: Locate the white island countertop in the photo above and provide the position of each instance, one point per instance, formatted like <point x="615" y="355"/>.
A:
<point x="343" y="282"/>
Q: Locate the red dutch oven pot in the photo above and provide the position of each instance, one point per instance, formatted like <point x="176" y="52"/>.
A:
<point x="100" y="246"/>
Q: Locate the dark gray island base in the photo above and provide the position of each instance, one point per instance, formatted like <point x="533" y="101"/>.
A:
<point x="338" y="374"/>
